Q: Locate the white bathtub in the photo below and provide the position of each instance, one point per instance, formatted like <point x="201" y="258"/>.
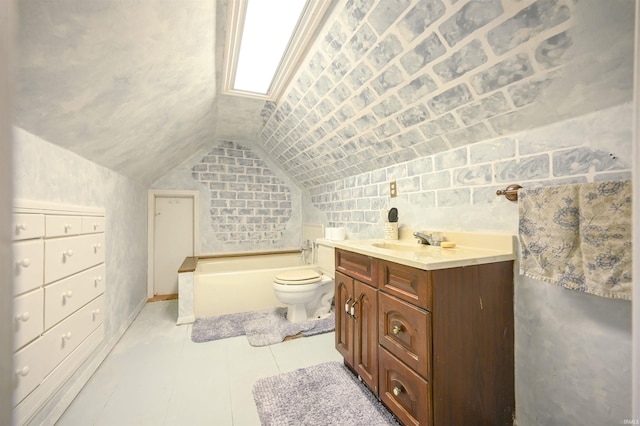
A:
<point x="225" y="285"/>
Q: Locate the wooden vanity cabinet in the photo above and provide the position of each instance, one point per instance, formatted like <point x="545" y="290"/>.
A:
<point x="357" y="317"/>
<point x="445" y="341"/>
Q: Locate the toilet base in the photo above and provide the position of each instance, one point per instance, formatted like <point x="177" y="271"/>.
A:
<point x="296" y="313"/>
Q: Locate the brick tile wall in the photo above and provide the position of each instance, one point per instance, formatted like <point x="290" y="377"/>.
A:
<point x="249" y="204"/>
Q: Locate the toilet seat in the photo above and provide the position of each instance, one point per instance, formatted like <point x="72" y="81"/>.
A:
<point x="297" y="277"/>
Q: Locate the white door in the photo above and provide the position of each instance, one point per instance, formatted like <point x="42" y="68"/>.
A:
<point x="173" y="241"/>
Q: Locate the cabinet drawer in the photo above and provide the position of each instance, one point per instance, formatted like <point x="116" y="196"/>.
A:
<point x="410" y="284"/>
<point x="406" y="394"/>
<point x="66" y="256"/>
<point x="27" y="225"/>
<point x="27" y="310"/>
<point x="92" y="224"/>
<point x="405" y="331"/>
<point x="62" y="339"/>
<point x="59" y="226"/>
<point x="28" y="267"/>
<point x="356" y="265"/>
<point x="64" y="297"/>
<point x="29" y="369"/>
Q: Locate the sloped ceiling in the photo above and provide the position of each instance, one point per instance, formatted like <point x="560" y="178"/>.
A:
<point x="133" y="85"/>
<point x="130" y="85"/>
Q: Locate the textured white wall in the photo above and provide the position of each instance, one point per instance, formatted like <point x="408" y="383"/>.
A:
<point x="43" y="171"/>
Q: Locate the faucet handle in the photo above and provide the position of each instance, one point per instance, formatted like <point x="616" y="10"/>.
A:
<point x="436" y="238"/>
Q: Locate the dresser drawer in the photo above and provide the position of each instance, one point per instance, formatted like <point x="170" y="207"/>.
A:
<point x="62" y="339"/>
<point x="356" y="265"/>
<point x="29" y="369"/>
<point x="27" y="309"/>
<point x="66" y="256"/>
<point x="406" y="394"/>
<point x="27" y="225"/>
<point x="405" y="331"/>
<point x="410" y="284"/>
<point x="60" y="226"/>
<point x="92" y="224"/>
<point x="28" y="270"/>
<point x="64" y="297"/>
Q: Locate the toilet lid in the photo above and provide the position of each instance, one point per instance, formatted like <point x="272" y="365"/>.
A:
<point x="298" y="276"/>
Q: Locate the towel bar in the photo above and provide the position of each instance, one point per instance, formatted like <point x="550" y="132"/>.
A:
<point x="510" y="192"/>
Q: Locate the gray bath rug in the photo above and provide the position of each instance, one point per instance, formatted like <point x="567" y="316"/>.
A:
<point x="324" y="394"/>
<point x="223" y="326"/>
<point x="262" y="328"/>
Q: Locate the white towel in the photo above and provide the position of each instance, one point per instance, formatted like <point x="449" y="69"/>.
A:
<point x="578" y="236"/>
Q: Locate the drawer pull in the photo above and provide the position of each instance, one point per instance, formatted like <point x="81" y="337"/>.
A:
<point x="68" y="294"/>
<point x="67" y="253"/>
<point x="67" y="227"/>
<point x="397" y="390"/>
<point x="397" y="329"/>
<point x="346" y="305"/>
<point x="96" y="312"/>
<point x="23" y="316"/>
<point x="353" y="310"/>
<point x="24" y="262"/>
<point x="66" y="336"/>
<point x="21" y="227"/>
<point x="22" y="371"/>
<point x="97" y="246"/>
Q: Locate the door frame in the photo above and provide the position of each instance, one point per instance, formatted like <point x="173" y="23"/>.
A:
<point x="176" y="193"/>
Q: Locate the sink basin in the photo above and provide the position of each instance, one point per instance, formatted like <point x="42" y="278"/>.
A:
<point x="403" y="247"/>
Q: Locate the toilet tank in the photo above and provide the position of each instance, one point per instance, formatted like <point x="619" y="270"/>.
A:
<point x="325" y="254"/>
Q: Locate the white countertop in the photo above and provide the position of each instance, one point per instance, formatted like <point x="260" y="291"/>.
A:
<point x="470" y="249"/>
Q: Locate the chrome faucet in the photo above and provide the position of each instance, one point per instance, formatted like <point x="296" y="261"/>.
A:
<point x="422" y="237"/>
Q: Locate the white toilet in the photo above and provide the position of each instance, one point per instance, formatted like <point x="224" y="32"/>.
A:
<point x="308" y="293"/>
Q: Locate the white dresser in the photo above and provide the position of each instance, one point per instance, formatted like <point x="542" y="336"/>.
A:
<point x="59" y="281"/>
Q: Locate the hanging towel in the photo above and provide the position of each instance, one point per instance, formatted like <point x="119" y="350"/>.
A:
<point x="578" y="236"/>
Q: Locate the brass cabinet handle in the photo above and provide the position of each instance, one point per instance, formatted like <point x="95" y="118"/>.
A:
<point x="396" y="329"/>
<point x="397" y="390"/>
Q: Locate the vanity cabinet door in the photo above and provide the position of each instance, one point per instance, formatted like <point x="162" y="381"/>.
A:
<point x="344" y="324"/>
<point x="365" y="351"/>
<point x="357" y="327"/>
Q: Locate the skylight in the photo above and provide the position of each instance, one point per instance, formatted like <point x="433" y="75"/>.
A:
<point x="268" y="27"/>
<point x="267" y="39"/>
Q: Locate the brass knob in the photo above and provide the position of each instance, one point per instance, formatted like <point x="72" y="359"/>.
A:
<point x="396" y="329"/>
<point x="397" y="391"/>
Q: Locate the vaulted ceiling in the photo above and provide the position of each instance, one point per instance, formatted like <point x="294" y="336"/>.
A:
<point x="134" y="85"/>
